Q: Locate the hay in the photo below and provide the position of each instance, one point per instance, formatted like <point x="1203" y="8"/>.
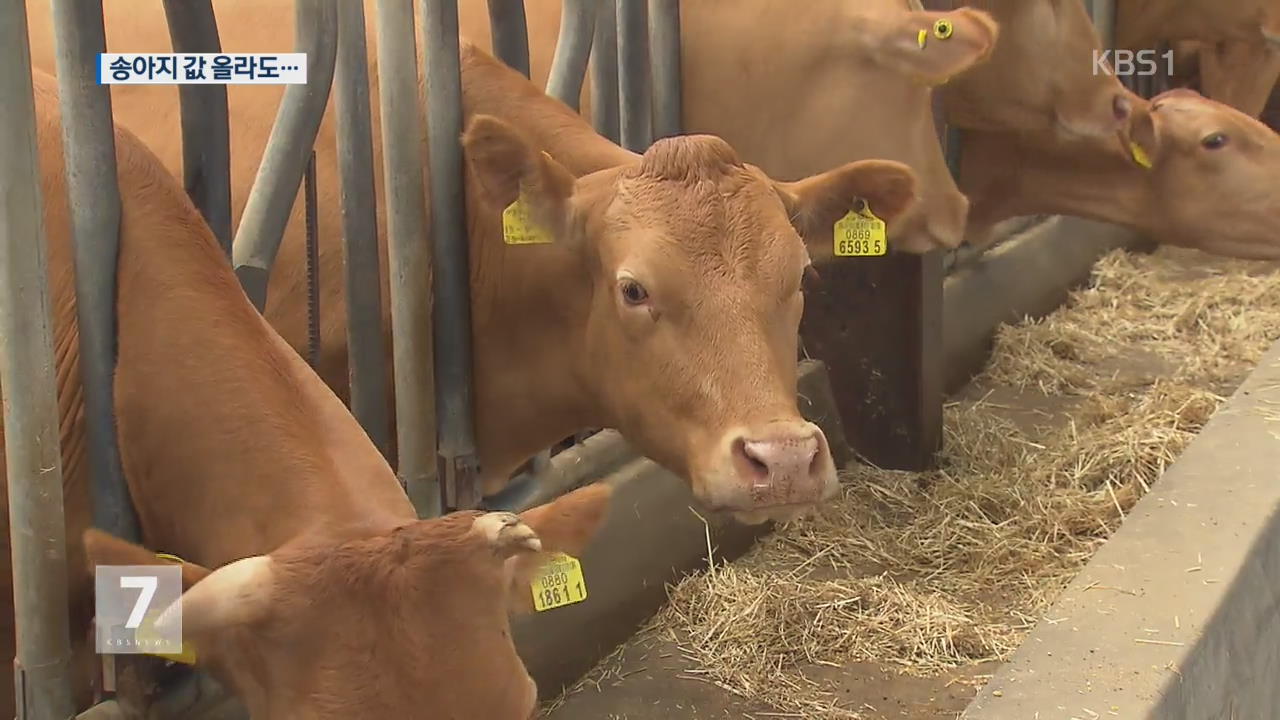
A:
<point x="932" y="571"/>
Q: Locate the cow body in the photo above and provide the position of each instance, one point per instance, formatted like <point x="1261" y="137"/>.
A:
<point x="1041" y="131"/>
<point x="668" y="306"/>
<point x="238" y="456"/>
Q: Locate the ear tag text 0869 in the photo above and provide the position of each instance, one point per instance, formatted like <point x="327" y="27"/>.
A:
<point x="519" y="229"/>
<point x="860" y="234"/>
<point x="559" y="583"/>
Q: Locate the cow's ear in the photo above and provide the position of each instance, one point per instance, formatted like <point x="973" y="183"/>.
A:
<point x="930" y="47"/>
<point x="817" y="202"/>
<point x="507" y="166"/>
<point x="565" y="525"/>
<point x="106" y="549"/>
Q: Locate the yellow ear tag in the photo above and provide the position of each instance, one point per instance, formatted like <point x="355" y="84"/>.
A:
<point x="559" y="583"/>
<point x="943" y="29"/>
<point x="1139" y="155"/>
<point x="922" y="37"/>
<point x="860" y="234"/>
<point x="519" y="229"/>
<point x="146" y="631"/>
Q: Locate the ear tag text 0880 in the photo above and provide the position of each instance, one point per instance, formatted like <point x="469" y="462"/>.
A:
<point x="519" y="229"/>
<point x="559" y="583"/>
<point x="860" y="234"/>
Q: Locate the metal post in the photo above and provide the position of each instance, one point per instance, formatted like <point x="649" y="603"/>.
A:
<point x="573" y="50"/>
<point x="451" y="322"/>
<point x="206" y="138"/>
<point x="664" y="34"/>
<point x="33" y="460"/>
<point x="604" y="72"/>
<point x="266" y="214"/>
<point x="94" y="199"/>
<point x="634" y="89"/>
<point x="409" y="256"/>
<point x="366" y="352"/>
<point x="510" y="32"/>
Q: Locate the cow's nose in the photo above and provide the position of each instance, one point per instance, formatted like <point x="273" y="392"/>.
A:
<point x="783" y="463"/>
<point x="1121" y="107"/>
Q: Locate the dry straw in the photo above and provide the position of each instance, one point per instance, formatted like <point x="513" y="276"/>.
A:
<point x="947" y="569"/>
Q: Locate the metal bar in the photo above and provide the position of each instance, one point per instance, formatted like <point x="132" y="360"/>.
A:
<point x="510" y="31"/>
<point x="94" y="199"/>
<point x="409" y="256"/>
<point x="664" y="34"/>
<point x="604" y="72"/>
<point x="573" y="51"/>
<point x="206" y="137"/>
<point x="33" y="461"/>
<point x="634" y="88"/>
<point x="1103" y="15"/>
<point x="313" y="262"/>
<point x="266" y="214"/>
<point x="451" y="322"/>
<point x="366" y="346"/>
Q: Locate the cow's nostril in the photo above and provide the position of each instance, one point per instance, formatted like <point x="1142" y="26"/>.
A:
<point x="752" y="461"/>
<point x="1120" y="106"/>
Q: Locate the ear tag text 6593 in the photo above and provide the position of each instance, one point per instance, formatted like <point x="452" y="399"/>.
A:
<point x="860" y="234"/>
<point x="519" y="229"/>
<point x="559" y="583"/>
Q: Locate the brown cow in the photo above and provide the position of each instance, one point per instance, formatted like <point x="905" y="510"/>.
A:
<point x="668" y="306"/>
<point x="1042" y="132"/>
<point x="1237" y="43"/>
<point x="735" y="56"/>
<point x="1205" y="157"/>
<point x="330" y="598"/>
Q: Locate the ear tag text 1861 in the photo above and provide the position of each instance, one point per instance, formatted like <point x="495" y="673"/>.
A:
<point x="559" y="583"/>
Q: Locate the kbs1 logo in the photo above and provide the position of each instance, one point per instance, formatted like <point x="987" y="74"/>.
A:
<point x="1128" y="62"/>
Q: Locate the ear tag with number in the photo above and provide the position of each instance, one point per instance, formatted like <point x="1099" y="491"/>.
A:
<point x="559" y="583"/>
<point x="860" y="234"/>
<point x="519" y="229"/>
<point x="147" y="630"/>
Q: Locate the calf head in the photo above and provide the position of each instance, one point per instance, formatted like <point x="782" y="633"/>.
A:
<point x="1214" y="172"/>
<point x="1044" y="76"/>
<point x="409" y="624"/>
<point x="685" y="316"/>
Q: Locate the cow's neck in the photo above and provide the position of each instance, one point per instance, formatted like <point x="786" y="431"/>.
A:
<point x="529" y="311"/>
<point x="1004" y="178"/>
<point x="230" y="444"/>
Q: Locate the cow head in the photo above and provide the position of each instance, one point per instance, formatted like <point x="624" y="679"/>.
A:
<point x="1214" y="172"/>
<point x="409" y="624"/>
<point x="686" y="306"/>
<point x="927" y="49"/>
<point x="1046" y="75"/>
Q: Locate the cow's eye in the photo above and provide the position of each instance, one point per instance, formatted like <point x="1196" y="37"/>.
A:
<point x="1214" y="141"/>
<point x="633" y="293"/>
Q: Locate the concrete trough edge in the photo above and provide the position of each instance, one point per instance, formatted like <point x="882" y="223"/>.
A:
<point x="1177" y="615"/>
<point x="1030" y="275"/>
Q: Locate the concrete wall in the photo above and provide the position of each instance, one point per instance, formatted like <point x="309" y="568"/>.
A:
<point x="1177" y="616"/>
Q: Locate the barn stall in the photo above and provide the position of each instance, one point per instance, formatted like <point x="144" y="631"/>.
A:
<point x="936" y="567"/>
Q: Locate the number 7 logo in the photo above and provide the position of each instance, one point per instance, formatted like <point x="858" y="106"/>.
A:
<point x="148" y="586"/>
